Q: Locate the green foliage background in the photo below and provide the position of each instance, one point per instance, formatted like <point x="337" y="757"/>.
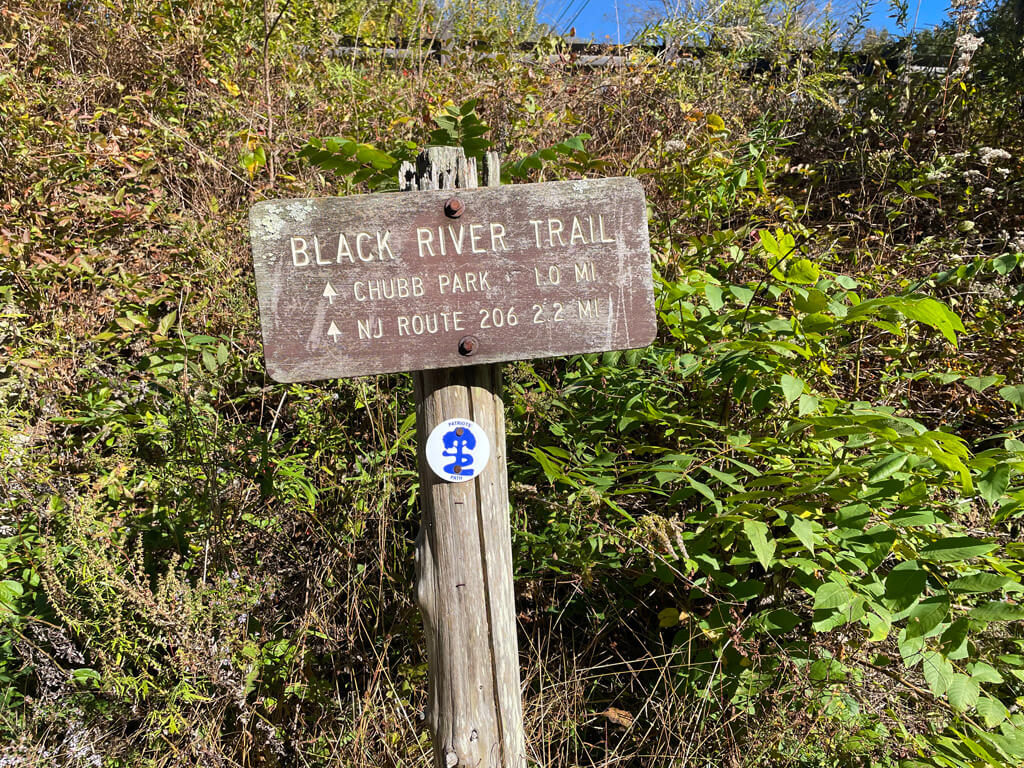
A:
<point x="786" y="534"/>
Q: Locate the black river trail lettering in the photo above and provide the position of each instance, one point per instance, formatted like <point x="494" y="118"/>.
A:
<point x="382" y="283"/>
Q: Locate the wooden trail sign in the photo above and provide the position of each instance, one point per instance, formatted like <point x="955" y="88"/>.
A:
<point x="558" y="268"/>
<point x="369" y="284"/>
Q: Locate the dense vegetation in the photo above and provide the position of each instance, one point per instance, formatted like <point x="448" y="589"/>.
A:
<point x="786" y="534"/>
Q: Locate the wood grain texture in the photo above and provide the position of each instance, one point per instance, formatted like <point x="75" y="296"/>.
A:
<point x="531" y="270"/>
<point x="464" y="551"/>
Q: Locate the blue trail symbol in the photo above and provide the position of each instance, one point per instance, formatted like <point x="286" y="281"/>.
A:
<point x="460" y="442"/>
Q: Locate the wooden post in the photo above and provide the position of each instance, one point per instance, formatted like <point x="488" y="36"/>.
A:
<point x="464" y="548"/>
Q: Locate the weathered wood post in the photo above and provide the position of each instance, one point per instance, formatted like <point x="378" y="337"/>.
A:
<point x="464" y="548"/>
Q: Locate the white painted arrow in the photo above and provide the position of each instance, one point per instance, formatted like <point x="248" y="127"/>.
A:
<point x="330" y="293"/>
<point x="333" y="332"/>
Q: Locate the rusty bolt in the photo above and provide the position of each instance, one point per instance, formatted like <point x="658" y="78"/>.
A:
<point x="468" y="345"/>
<point x="454" y="208"/>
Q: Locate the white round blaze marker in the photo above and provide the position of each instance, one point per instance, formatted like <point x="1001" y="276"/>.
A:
<point x="458" y="450"/>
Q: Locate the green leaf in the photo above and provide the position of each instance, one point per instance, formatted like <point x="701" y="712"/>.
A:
<point x="938" y="672"/>
<point x="927" y="615"/>
<point x="804" y="530"/>
<point x="887" y="467"/>
<point x="954" y="639"/>
<point x="792" y="387"/>
<point x="878" y="626"/>
<point x="831" y="595"/>
<point x="84" y="675"/>
<point x="956" y="548"/>
<point x="781" y="620"/>
<point x="982" y="582"/>
<point x="714" y="296"/>
<point x="986" y="673"/>
<point x="963" y="692"/>
<point x="764" y="546"/>
<point x="992" y="711"/>
<point x="924" y="310"/>
<point x="998" y="611"/>
<point x="993" y="483"/>
<point x="808" y="404"/>
<point x="905" y="583"/>
<point x="936" y="314"/>
<point x="1013" y="394"/>
<point x="668" y="617"/>
<point x="803" y="271"/>
<point x="981" y="383"/>
<point x="702" y="489"/>
<point x="815" y="301"/>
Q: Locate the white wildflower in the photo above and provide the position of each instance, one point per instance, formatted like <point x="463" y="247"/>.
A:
<point x="990" y="156"/>
<point x="967" y="44"/>
<point x="964" y="12"/>
<point x="988" y="191"/>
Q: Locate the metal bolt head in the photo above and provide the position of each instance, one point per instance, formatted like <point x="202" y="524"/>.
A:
<point x="454" y="208"/>
<point x="468" y="345"/>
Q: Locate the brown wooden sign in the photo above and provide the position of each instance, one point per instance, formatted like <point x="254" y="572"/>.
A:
<point x="350" y="286"/>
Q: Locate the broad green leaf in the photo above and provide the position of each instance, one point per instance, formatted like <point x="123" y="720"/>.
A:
<point x="998" y="611"/>
<point x="1013" y="394"/>
<point x="954" y="639"/>
<point x="84" y="675"/>
<point x="702" y="489"/>
<point x="938" y="672"/>
<point x="887" y="467"/>
<point x="713" y="293"/>
<point x="744" y="295"/>
<point x="986" y="673"/>
<point x="934" y="313"/>
<point x="781" y="620"/>
<point x="956" y="548"/>
<point x="832" y="595"/>
<point x="911" y="648"/>
<point x="907" y="518"/>
<point x="981" y="383"/>
<point x="982" y="582"/>
<point x="927" y="615"/>
<point x="992" y="711"/>
<point x="804" y="531"/>
<point x="878" y="627"/>
<point x="905" y="582"/>
<point x="992" y="485"/>
<point x="808" y="404"/>
<point x="770" y="244"/>
<point x="924" y="310"/>
<point x="815" y="301"/>
<point x="963" y="692"/>
<point x="668" y="617"/>
<point x="764" y="546"/>
<point x="792" y="387"/>
<point x="803" y="271"/>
